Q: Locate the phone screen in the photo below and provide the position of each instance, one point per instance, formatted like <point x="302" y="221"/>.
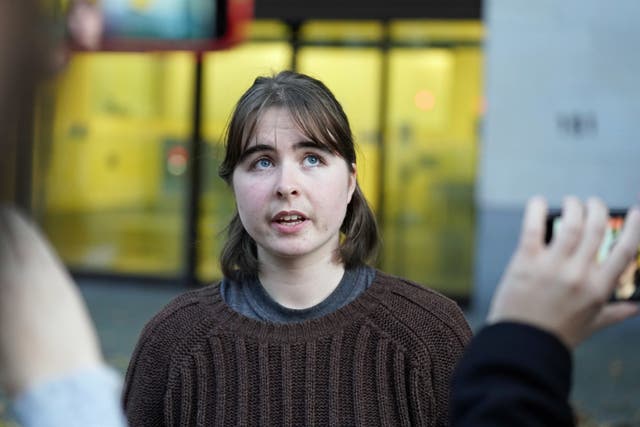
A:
<point x="160" y="19"/>
<point x="153" y="25"/>
<point x="629" y="282"/>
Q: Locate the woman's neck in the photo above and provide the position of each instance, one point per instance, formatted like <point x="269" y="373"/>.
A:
<point x="300" y="285"/>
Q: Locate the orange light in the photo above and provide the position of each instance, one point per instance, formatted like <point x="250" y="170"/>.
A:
<point x="177" y="160"/>
<point x="425" y="100"/>
<point x="482" y="106"/>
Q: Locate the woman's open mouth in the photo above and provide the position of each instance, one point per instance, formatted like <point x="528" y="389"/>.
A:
<point x="288" y="221"/>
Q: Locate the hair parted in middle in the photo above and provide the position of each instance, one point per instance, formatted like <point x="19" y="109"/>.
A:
<point x="319" y="116"/>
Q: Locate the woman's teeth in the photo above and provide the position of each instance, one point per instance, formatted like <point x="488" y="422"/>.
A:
<point x="290" y="218"/>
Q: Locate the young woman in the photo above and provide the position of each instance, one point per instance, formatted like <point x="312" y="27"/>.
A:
<point x="300" y="331"/>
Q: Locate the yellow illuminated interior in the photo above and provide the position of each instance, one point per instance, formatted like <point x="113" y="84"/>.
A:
<point x="420" y="31"/>
<point x="106" y="203"/>
<point x="430" y="163"/>
<point x="347" y="32"/>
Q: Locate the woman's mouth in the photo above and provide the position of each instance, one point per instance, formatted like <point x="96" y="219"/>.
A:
<point x="288" y="221"/>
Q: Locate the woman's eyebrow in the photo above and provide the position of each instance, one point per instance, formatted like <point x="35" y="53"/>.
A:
<point x="270" y="148"/>
<point x="311" y="144"/>
<point x="255" y="149"/>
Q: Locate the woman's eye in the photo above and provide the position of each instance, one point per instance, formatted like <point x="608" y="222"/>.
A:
<point x="263" y="163"/>
<point x="312" y="160"/>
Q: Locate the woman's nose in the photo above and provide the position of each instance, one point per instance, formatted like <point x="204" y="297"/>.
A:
<point x="287" y="184"/>
<point x="287" y="191"/>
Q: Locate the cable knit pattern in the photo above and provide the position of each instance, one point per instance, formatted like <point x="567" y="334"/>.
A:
<point x="384" y="359"/>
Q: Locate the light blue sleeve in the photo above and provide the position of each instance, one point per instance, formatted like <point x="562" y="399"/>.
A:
<point x="84" y="398"/>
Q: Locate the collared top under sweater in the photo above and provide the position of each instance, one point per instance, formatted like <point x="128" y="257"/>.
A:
<point x="386" y="358"/>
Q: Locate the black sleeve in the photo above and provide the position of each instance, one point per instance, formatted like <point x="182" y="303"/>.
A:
<point x="512" y="375"/>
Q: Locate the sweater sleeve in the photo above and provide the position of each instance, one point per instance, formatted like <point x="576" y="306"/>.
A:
<point x="455" y="336"/>
<point x="444" y="334"/>
<point x="513" y="375"/>
<point x="145" y="382"/>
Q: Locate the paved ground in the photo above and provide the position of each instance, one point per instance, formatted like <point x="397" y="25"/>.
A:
<point x="120" y="311"/>
<point x="607" y="375"/>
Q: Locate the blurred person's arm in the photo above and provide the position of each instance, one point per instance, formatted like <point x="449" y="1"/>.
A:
<point x="513" y="374"/>
<point x="50" y="360"/>
<point x="82" y="398"/>
<point x="517" y="370"/>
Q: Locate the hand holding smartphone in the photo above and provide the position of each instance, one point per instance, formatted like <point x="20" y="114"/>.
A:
<point x="562" y="287"/>
<point x="628" y="288"/>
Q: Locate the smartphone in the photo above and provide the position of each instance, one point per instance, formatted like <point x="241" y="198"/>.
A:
<point x="160" y="25"/>
<point x="628" y="288"/>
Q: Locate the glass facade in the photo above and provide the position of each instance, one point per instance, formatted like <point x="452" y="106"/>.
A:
<point x="112" y="183"/>
<point x="429" y="165"/>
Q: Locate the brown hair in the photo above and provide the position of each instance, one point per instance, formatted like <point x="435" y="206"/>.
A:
<point x="320" y="117"/>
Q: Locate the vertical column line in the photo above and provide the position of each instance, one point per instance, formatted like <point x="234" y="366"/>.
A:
<point x="194" y="183"/>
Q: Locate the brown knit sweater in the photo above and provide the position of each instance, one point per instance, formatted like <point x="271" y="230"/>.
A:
<point x="384" y="359"/>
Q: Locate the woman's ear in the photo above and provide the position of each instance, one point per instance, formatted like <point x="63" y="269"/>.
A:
<point x="353" y="180"/>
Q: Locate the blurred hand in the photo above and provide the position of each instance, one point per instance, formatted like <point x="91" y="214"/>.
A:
<point x="85" y="23"/>
<point x="561" y="287"/>
<point x="45" y="330"/>
<point x="85" y="29"/>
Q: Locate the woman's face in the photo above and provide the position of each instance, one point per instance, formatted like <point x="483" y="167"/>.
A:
<point x="291" y="193"/>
